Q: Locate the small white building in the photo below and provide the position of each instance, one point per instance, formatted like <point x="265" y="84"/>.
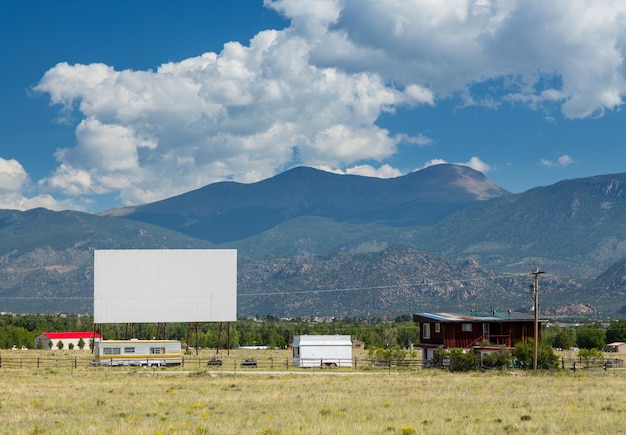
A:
<point x="50" y="340"/>
<point x="322" y="350"/>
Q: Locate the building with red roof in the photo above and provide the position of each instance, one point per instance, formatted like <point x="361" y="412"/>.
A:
<point x="65" y="340"/>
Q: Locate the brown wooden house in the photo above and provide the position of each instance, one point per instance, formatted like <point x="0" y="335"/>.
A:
<point x="468" y="331"/>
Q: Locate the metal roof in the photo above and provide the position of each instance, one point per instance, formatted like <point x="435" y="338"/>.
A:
<point x="322" y="340"/>
<point x="494" y="316"/>
<point x="71" y="335"/>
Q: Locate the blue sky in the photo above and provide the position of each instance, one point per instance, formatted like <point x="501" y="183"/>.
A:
<point x="115" y="103"/>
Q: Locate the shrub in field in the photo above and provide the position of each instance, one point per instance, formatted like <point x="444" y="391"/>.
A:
<point x="523" y="355"/>
<point x="391" y="354"/>
<point x="497" y="360"/>
<point x="461" y="360"/>
<point x="441" y="358"/>
<point x="457" y="360"/>
<point x="590" y="355"/>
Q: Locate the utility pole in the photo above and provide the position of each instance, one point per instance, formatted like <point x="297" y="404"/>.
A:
<point x="536" y="272"/>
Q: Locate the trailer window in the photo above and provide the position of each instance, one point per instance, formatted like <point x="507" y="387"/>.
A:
<point x="157" y="350"/>
<point x="111" y="351"/>
<point x="129" y="350"/>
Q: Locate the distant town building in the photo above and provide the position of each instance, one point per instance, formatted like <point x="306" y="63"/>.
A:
<point x="358" y="345"/>
<point x="617" y="346"/>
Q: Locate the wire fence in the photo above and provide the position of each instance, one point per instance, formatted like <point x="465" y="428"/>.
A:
<point x="45" y="361"/>
<point x="40" y="362"/>
<point x="227" y="363"/>
<point x="580" y="363"/>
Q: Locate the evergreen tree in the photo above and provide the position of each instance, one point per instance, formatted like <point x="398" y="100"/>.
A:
<point x="616" y="331"/>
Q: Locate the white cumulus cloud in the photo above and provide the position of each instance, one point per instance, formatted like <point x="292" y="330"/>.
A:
<point x="14" y="185"/>
<point x="12" y="175"/>
<point x="562" y="161"/>
<point x="384" y="171"/>
<point x="239" y="114"/>
<point x="475" y="163"/>
<point x="571" y="51"/>
<point x="311" y="94"/>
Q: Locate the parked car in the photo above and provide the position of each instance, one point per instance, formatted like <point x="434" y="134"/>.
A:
<point x="214" y="361"/>
<point x="249" y="362"/>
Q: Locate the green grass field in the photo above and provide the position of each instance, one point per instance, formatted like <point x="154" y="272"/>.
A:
<point x="189" y="400"/>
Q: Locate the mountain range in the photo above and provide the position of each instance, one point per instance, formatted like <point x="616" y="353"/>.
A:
<point x="315" y="243"/>
<point x="228" y="211"/>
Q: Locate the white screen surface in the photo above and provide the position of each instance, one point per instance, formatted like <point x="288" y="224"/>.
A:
<point x="165" y="285"/>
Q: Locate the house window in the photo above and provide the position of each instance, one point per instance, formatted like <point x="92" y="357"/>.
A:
<point x="426" y="332"/>
<point x="437" y="328"/>
<point x="466" y="327"/>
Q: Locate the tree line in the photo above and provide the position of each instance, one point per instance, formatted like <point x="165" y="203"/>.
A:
<point x="400" y="332"/>
<point x="270" y="331"/>
<point x="585" y="336"/>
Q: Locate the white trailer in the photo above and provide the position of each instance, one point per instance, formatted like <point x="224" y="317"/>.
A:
<point x="322" y="351"/>
<point x="134" y="352"/>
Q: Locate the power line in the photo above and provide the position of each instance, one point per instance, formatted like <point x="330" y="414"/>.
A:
<point x="350" y="289"/>
<point x="347" y="289"/>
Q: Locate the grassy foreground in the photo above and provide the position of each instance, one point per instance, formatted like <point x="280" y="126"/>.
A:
<point x="189" y="401"/>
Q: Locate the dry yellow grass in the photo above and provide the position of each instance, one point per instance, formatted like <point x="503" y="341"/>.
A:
<point x="191" y="401"/>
